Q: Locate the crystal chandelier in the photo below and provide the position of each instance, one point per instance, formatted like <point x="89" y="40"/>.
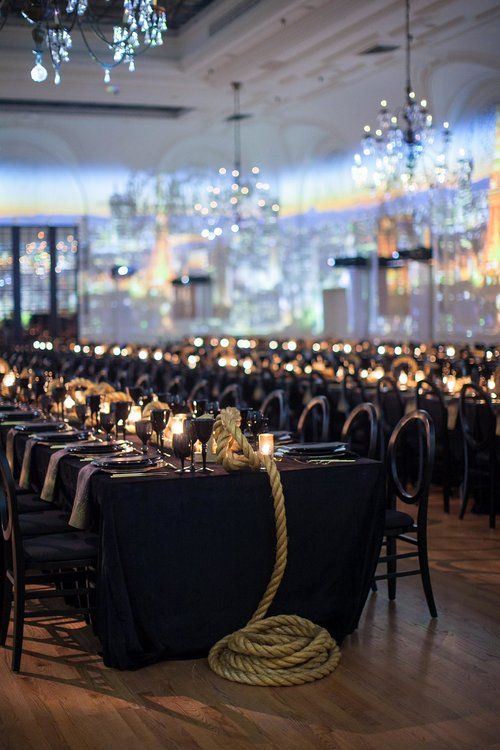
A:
<point x="233" y="199"/>
<point x="136" y="26"/>
<point x="405" y="152"/>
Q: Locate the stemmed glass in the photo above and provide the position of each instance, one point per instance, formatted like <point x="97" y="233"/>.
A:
<point x="200" y="407"/>
<point x="82" y="412"/>
<point x="159" y="419"/>
<point x="59" y="394"/>
<point x="213" y="407"/>
<point x="144" y="430"/>
<point x="181" y="444"/>
<point x="46" y="402"/>
<point x="203" y="428"/>
<point x="94" y="403"/>
<point x="254" y="421"/>
<point x="108" y="421"/>
<point x="136" y="393"/>
<point x="122" y="410"/>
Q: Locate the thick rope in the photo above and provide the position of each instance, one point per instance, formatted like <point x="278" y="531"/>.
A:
<point x="281" y="650"/>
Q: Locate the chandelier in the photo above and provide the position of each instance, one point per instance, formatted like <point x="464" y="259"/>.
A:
<point x="121" y="29"/>
<point x="404" y="151"/>
<point x="235" y="199"/>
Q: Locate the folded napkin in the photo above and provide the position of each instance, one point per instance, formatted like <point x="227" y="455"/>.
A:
<point x="9" y="447"/>
<point x="49" y="484"/>
<point x="80" y="515"/>
<point x="24" y="480"/>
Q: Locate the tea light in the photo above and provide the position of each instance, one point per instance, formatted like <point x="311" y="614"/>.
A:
<point x="403" y="379"/>
<point x="105" y="407"/>
<point x="135" y="414"/>
<point x="419" y="376"/>
<point x="68" y="403"/>
<point x="178" y="424"/>
<point x="266" y="444"/>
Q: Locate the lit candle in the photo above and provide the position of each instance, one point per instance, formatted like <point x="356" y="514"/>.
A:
<point x="135" y="414"/>
<point x="178" y="424"/>
<point x="403" y="379"/>
<point x="419" y="376"/>
<point x="266" y="444"/>
<point x="105" y="407"/>
<point x="68" y="403"/>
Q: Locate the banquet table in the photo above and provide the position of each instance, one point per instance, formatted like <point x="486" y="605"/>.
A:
<point x="184" y="559"/>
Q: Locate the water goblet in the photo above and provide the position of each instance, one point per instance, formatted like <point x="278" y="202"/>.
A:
<point x="122" y="410"/>
<point x="82" y="412"/>
<point x="203" y="428"/>
<point x="181" y="444"/>
<point x="159" y="419"/>
<point x="94" y="403"/>
<point x="200" y="407"/>
<point x="46" y="402"/>
<point x="144" y="430"/>
<point x="59" y="394"/>
<point x="107" y="421"/>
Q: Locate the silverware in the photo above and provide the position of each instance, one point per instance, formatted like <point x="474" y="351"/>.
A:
<point x="130" y="475"/>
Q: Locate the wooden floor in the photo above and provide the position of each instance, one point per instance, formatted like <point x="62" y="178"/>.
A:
<point x="404" y="681"/>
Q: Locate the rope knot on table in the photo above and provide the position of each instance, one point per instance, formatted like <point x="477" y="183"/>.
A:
<point x="280" y="650"/>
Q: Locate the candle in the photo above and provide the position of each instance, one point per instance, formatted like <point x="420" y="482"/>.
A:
<point x="419" y="375"/>
<point x="403" y="379"/>
<point x="135" y="414"/>
<point x="105" y="407"/>
<point x="68" y="403"/>
<point x="266" y="444"/>
<point x="178" y="424"/>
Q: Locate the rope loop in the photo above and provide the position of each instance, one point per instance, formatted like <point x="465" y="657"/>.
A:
<point x="284" y="649"/>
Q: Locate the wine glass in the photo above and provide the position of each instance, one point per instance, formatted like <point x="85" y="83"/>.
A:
<point x="46" y="402"/>
<point x="200" y="407"/>
<point x="189" y="429"/>
<point x="59" y="394"/>
<point x="181" y="444"/>
<point x="108" y="421"/>
<point x="122" y="410"/>
<point x="213" y="407"/>
<point x="254" y="421"/>
<point x="82" y="412"/>
<point x="144" y="430"/>
<point x="136" y="393"/>
<point x="203" y="428"/>
<point x="159" y="419"/>
<point x="94" y="403"/>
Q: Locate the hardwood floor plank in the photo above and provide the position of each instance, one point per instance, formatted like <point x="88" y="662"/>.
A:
<point x="404" y="680"/>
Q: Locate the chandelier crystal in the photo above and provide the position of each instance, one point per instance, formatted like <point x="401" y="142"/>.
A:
<point x="234" y="199"/>
<point x="405" y="151"/>
<point x="136" y="26"/>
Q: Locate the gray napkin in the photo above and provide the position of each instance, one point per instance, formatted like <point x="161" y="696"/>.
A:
<point x="24" y="480"/>
<point x="49" y="484"/>
<point x="80" y="515"/>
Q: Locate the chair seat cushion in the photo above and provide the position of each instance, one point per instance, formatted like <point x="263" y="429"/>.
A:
<point x="77" y="545"/>
<point x="396" y="519"/>
<point x="44" y="522"/>
<point x="29" y="503"/>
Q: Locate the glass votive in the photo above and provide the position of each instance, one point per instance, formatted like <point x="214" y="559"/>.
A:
<point x="266" y="443"/>
<point x="178" y="424"/>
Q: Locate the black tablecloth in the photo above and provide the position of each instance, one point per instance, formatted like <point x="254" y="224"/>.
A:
<point x="185" y="560"/>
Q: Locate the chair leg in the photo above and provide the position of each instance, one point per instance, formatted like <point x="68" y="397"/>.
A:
<point x="425" y="575"/>
<point x="465" y="486"/>
<point x="5" y="611"/>
<point x="19" y="602"/>
<point x="446" y="482"/>
<point x="391" y="567"/>
<point x="374" y="586"/>
<point x="493" y="510"/>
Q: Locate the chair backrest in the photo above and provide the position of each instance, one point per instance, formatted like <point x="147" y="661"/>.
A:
<point x="230" y="396"/>
<point x="417" y="425"/>
<point x="360" y="431"/>
<point x="477" y="417"/>
<point x="430" y="398"/>
<point x="390" y="403"/>
<point x="275" y="409"/>
<point x="199" y="390"/>
<point x="8" y="516"/>
<point x="314" y="422"/>
<point x="353" y="391"/>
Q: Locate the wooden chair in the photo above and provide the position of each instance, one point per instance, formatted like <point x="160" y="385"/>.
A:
<point x="399" y="526"/>
<point x="314" y="422"/>
<point x="391" y="409"/>
<point x="430" y="398"/>
<point x="275" y="409"/>
<point x="352" y="391"/>
<point x="360" y="431"/>
<point x="230" y="396"/>
<point x="62" y="563"/>
<point x="479" y="427"/>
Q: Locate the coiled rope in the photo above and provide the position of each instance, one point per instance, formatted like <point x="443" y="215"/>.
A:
<point x="281" y="650"/>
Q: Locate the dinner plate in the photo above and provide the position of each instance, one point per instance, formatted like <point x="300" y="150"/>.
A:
<point x="62" y="437"/>
<point x="313" y="449"/>
<point x="133" y="461"/>
<point x="21" y="416"/>
<point x="86" y="448"/>
<point x="42" y="426"/>
<point x="8" y="407"/>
